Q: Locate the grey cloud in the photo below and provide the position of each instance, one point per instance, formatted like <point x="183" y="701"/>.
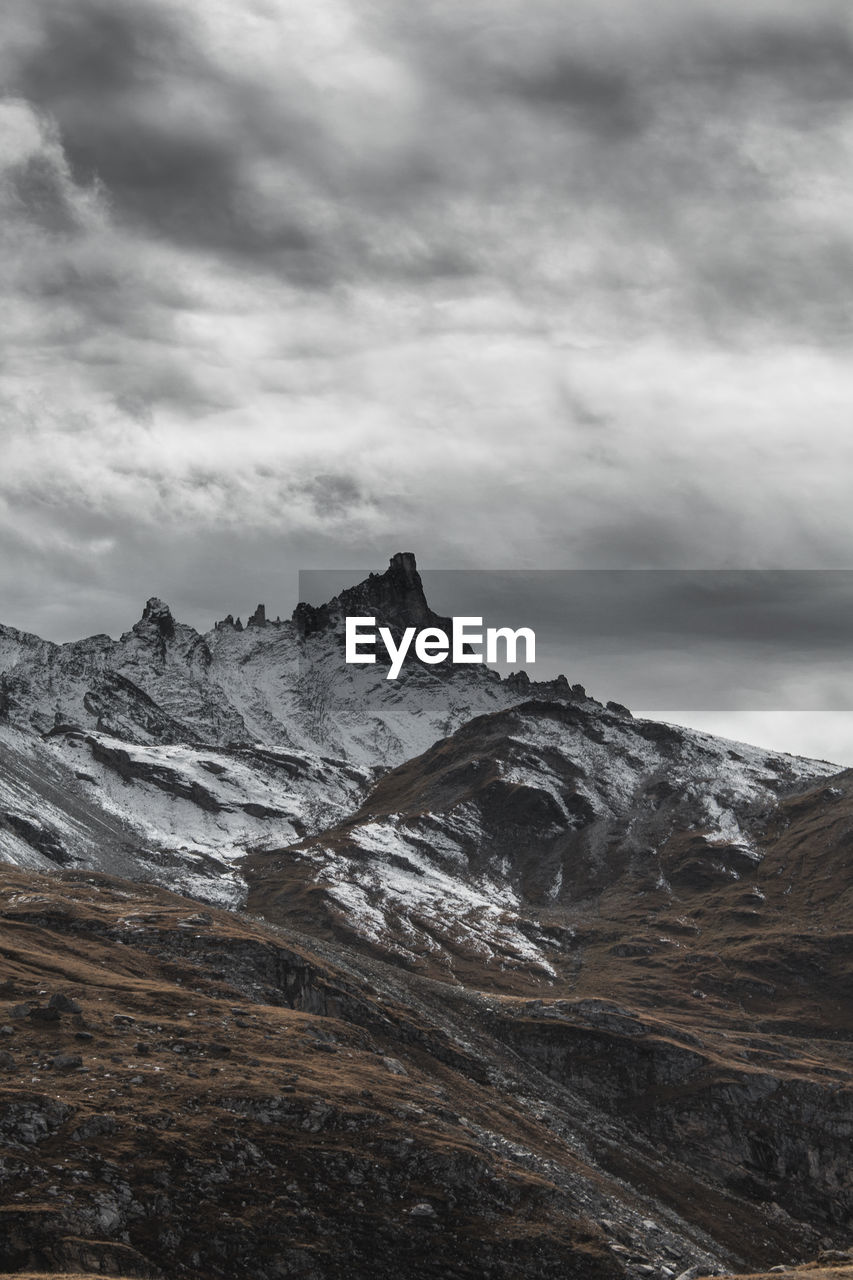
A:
<point x="811" y="60"/>
<point x="106" y="70"/>
<point x="623" y="126"/>
<point x="334" y="494"/>
<point x="609" y="55"/>
<point x="43" y="196"/>
<point x="688" y="135"/>
<point x="542" y="283"/>
<point x="601" y="95"/>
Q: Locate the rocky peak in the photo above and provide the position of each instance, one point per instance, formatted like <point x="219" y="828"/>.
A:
<point x="257" y="620"/>
<point x="396" y="598"/>
<point x="156" y="616"/>
<point x="228" y="624"/>
<point x="398" y="593"/>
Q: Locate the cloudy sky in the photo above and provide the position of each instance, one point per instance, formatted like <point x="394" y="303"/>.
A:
<point x="560" y="283"/>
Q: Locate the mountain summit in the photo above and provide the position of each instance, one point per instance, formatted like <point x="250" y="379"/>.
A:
<point x="395" y="598"/>
<point x="281" y="683"/>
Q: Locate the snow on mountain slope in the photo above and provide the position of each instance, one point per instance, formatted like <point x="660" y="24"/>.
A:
<point x="149" y="686"/>
<point x="195" y="749"/>
<point x="284" y="684"/>
<point x="173" y="814"/>
<point x="16" y="646"/>
<point x="46" y="817"/>
<point x="467" y="855"/>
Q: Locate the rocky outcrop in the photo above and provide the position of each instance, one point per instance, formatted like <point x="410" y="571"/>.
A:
<point x="156" y="620"/>
<point x="36" y="834"/>
<point x="771" y="1133"/>
<point x="130" y="768"/>
<point x="396" y="598"/>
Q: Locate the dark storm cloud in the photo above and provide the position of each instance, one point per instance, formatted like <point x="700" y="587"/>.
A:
<point x="603" y="115"/>
<point x="609" y="102"/>
<point x="112" y="74"/>
<point x="597" y="52"/>
<point x="95" y="66"/>
<point x="692" y="124"/>
<point x="176" y="138"/>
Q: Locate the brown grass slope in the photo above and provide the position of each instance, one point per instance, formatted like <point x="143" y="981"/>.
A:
<point x="703" y="998"/>
<point x="225" y="1103"/>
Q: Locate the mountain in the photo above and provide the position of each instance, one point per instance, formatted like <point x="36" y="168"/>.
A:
<point x="478" y="852"/>
<point x="510" y="983"/>
<point x="284" y="684"/>
<point x="167" y="754"/>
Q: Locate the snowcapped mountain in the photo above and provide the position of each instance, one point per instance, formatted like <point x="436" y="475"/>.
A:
<point x="284" y="684"/>
<point x="172" y="755"/>
<point x="480" y="852"/>
<point x="176" y="814"/>
<point x="169" y="754"/>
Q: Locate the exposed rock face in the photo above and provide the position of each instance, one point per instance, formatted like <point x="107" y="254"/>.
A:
<point x="38" y="836"/>
<point x="768" y="1132"/>
<point x="157" y="619"/>
<point x="17" y="646"/>
<point x="395" y="597"/>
